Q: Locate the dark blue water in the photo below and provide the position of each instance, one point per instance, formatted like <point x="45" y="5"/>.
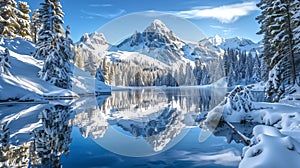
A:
<point x="137" y="128"/>
<point x="214" y="152"/>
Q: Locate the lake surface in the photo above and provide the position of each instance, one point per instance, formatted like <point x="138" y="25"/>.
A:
<point x="153" y="127"/>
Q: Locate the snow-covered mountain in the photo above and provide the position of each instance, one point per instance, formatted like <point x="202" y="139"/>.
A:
<point x="159" y="42"/>
<point x="94" y="42"/>
<point x="156" y="54"/>
<point x="220" y="44"/>
<point x="156" y="41"/>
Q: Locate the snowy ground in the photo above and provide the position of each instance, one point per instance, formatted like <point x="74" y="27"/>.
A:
<point x="24" y="83"/>
<point x="276" y="142"/>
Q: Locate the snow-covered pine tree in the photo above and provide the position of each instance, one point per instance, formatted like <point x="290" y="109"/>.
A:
<point x="111" y="76"/>
<point x="138" y="79"/>
<point x="257" y="77"/>
<point x="249" y="69"/>
<point x="231" y="76"/>
<point x="24" y="20"/>
<point x="205" y="76"/>
<point x="51" y="19"/>
<point x="265" y="20"/>
<point x="4" y="62"/>
<point x="100" y="75"/>
<point x="275" y="87"/>
<point x="35" y="25"/>
<point x="105" y="69"/>
<point x="283" y="38"/>
<point x="45" y="35"/>
<point x="226" y="62"/>
<point x="181" y="75"/>
<point x="198" y="71"/>
<point x="90" y="65"/>
<point x="57" y="67"/>
<point x="65" y="47"/>
<point x="214" y="70"/>
<point x="278" y="25"/>
<point x="189" y="78"/>
<point x="250" y="63"/>
<point x="8" y="19"/>
<point x="295" y="12"/>
<point x="57" y="18"/>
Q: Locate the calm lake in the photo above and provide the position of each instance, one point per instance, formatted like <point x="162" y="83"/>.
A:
<point x="152" y="127"/>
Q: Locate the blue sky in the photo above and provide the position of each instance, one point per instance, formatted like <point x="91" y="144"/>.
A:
<point x="227" y="18"/>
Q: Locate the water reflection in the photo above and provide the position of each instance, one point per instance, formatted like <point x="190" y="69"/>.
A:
<point x="157" y="117"/>
<point x="49" y="138"/>
<point x="149" y="121"/>
<point x="54" y="137"/>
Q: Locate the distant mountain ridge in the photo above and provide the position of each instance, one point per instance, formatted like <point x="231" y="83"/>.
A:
<point x="156" y="41"/>
<point x="159" y="42"/>
<point x="219" y="43"/>
<point x="156" y="56"/>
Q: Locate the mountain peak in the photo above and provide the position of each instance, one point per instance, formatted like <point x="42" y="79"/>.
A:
<point x="97" y="38"/>
<point x="157" y="26"/>
<point x="216" y="40"/>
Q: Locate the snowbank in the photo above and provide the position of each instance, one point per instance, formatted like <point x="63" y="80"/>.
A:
<point x="239" y="107"/>
<point x="18" y="45"/>
<point x="270" y="148"/>
<point x="84" y="84"/>
<point x="24" y="83"/>
<point x="236" y="106"/>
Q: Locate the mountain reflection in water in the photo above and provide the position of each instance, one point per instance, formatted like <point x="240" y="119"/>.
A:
<point x="139" y="123"/>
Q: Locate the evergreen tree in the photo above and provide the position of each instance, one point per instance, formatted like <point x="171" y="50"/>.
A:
<point x="105" y="69"/>
<point x="24" y="20"/>
<point x="265" y="20"/>
<point x="138" y="79"/>
<point x="8" y="19"/>
<point x="205" y="76"/>
<point x="198" y="71"/>
<point x="57" y="67"/>
<point x="35" y="25"/>
<point x="257" y="77"/>
<point x="56" y="70"/>
<point x="51" y="17"/>
<point x="45" y="35"/>
<point x="57" y="18"/>
<point x="231" y="77"/>
<point x="111" y="76"/>
<point x="66" y="46"/>
<point x="4" y="62"/>
<point x="274" y="86"/>
<point x="90" y="65"/>
<point x="55" y="47"/>
<point x="279" y="27"/>
<point x="100" y="75"/>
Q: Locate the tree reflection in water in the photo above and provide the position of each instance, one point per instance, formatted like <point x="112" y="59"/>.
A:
<point x="49" y="141"/>
<point x="156" y="115"/>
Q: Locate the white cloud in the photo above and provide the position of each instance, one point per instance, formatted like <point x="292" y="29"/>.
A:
<point x="224" y="14"/>
<point x="100" y="5"/>
<point x="107" y="15"/>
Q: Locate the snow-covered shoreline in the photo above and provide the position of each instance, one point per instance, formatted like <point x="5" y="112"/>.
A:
<point x="282" y="117"/>
<point x="24" y="85"/>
